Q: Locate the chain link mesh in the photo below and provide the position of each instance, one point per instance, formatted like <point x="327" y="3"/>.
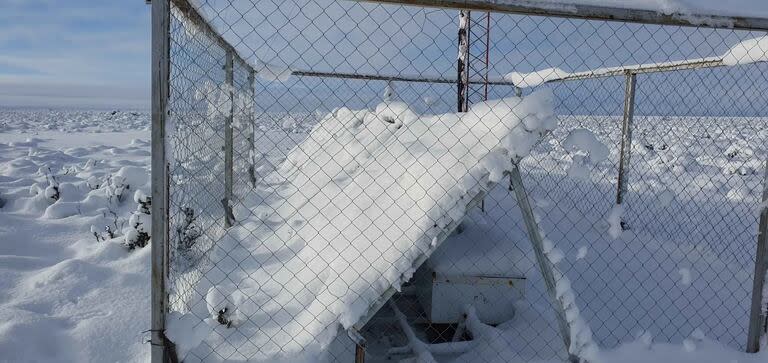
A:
<point x="681" y="260"/>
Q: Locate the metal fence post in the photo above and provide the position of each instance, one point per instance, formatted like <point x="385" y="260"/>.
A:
<point x="228" y="139"/>
<point x="159" y="246"/>
<point x="545" y="266"/>
<point x="626" y="136"/>
<point x="359" y="353"/>
<point x="757" y="318"/>
<point x="462" y="80"/>
<point x="252" y="119"/>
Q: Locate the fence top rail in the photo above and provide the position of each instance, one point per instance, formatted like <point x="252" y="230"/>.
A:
<point x="530" y="7"/>
<point x="552" y="75"/>
<point x="571" y="9"/>
<point x="557" y="76"/>
<point x="191" y="14"/>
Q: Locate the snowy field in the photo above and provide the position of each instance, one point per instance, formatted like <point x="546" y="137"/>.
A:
<point x="64" y="296"/>
<point x="72" y="291"/>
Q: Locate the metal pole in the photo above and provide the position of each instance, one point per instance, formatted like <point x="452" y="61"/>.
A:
<point x="189" y="13"/>
<point x="462" y="71"/>
<point x="252" y="118"/>
<point x="757" y="318"/>
<point x="228" y="140"/>
<point x="487" y="54"/>
<point x="359" y="353"/>
<point x="594" y="12"/>
<point x="159" y="247"/>
<point x="545" y="266"/>
<point x="626" y="136"/>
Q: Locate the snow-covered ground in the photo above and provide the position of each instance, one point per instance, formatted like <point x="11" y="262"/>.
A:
<point x="67" y="295"/>
<point x="64" y="296"/>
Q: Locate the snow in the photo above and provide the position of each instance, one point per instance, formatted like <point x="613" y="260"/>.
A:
<point x="747" y="8"/>
<point x="476" y="251"/>
<point x="614" y="221"/>
<point x="585" y="141"/>
<point x="67" y="297"/>
<point x="706" y="351"/>
<point x="586" y="151"/>
<point x="185" y="331"/>
<point x="582" y="252"/>
<point x="532" y="79"/>
<point x="272" y="72"/>
<point x="748" y="51"/>
<point x="685" y="276"/>
<point x="402" y="176"/>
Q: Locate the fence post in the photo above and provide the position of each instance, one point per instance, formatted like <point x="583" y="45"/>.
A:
<point x="462" y="81"/>
<point x="159" y="246"/>
<point x="359" y="353"/>
<point x="545" y="266"/>
<point x="228" y="140"/>
<point x="626" y="136"/>
<point x="252" y="119"/>
<point x="757" y="318"/>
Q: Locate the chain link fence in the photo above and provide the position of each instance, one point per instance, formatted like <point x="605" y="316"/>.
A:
<point x="320" y="179"/>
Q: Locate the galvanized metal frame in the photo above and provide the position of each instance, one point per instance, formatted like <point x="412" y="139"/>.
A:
<point x="712" y="62"/>
<point x="228" y="139"/>
<point x="160" y="94"/>
<point x="626" y="135"/>
<point x="462" y="63"/>
<point x="593" y="12"/>
<point x="757" y="313"/>
<point x="191" y="14"/>
<point x="161" y="20"/>
<point x="542" y="261"/>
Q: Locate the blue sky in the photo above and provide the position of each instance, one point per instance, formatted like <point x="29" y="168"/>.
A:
<point x="74" y="53"/>
<point x="96" y="53"/>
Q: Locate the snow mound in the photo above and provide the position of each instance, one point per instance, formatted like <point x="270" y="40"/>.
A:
<point x="349" y="212"/>
<point x="748" y="51"/>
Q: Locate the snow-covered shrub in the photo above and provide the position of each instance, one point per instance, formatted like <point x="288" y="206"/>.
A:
<point x="95" y="233"/>
<point x="223" y="304"/>
<point x="93" y="183"/>
<point x="125" y="178"/>
<point x="189" y="231"/>
<point x="116" y="185"/>
<point x="52" y="192"/>
<point x="108" y="233"/>
<point x="140" y="224"/>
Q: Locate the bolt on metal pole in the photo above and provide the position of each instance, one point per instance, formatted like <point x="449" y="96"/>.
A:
<point x="757" y="318"/>
<point x="228" y="140"/>
<point x="545" y="266"/>
<point x="159" y="246"/>
<point x="626" y="136"/>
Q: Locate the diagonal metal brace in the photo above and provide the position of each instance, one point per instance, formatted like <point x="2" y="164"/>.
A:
<point x="545" y="266"/>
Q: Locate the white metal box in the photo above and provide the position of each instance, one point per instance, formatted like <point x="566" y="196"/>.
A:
<point x="444" y="298"/>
